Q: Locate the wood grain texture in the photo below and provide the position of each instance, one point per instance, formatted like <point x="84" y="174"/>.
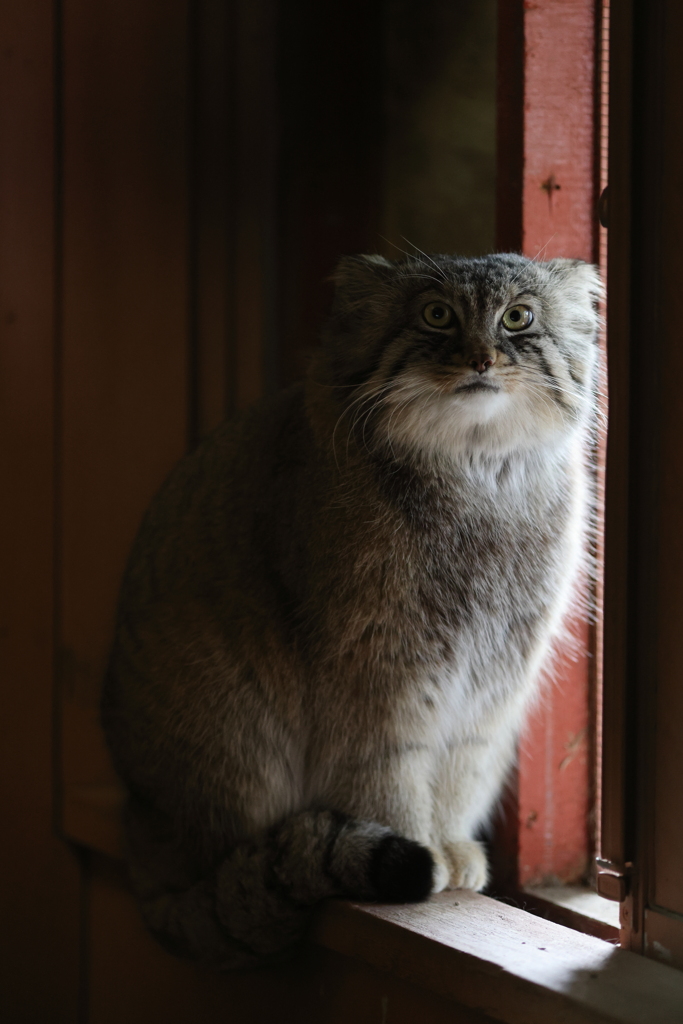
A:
<point x="503" y="962"/>
<point x="555" y="903"/>
<point x="554" y="790"/>
<point x="559" y="189"/>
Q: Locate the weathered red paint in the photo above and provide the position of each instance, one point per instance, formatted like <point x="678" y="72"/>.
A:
<point x="554" y="779"/>
<point x="546" y="196"/>
<point x="559" y="128"/>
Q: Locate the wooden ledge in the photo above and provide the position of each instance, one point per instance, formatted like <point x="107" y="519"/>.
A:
<point x="469" y="949"/>
<point x="576" y="906"/>
<point x="504" y="962"/>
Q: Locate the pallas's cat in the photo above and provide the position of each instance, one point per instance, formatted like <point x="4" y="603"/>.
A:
<point x="338" y="606"/>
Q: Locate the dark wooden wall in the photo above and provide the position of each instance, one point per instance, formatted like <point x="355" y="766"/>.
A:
<point x="643" y="754"/>
<point x="41" y="878"/>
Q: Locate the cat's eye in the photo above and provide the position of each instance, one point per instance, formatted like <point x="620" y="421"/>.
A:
<point x="516" y="318"/>
<point x="437" y="314"/>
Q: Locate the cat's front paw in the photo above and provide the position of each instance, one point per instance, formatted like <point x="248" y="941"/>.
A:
<point x="467" y="864"/>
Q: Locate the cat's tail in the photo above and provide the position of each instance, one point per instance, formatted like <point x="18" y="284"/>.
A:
<point x="257" y="903"/>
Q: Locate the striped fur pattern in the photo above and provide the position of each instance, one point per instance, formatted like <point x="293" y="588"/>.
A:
<point x="338" y="608"/>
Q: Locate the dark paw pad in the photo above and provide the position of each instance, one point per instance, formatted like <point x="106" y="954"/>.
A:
<point x="401" y="871"/>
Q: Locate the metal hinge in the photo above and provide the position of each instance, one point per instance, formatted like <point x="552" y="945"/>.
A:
<point x="612" y="880"/>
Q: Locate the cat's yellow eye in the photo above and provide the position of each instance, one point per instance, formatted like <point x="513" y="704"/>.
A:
<point x="516" y="318"/>
<point x="437" y="314"/>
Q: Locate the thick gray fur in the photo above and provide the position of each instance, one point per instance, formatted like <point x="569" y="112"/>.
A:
<point x="339" y="607"/>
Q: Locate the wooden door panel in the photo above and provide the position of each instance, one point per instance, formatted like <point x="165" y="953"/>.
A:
<point x="643" y="754"/>
<point x="124" y="358"/>
<point x="41" y="887"/>
<point x="667" y="867"/>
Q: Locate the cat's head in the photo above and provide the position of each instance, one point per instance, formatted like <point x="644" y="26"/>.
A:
<point x="442" y="354"/>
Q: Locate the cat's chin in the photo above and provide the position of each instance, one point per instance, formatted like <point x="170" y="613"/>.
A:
<point x="448" y="421"/>
<point x="492" y="423"/>
<point x="477" y="404"/>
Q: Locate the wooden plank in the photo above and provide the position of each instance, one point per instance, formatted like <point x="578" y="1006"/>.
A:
<point x="125" y="385"/>
<point x="559" y="187"/>
<point x="574" y="906"/>
<point x="39" y="945"/>
<point x="643" y="706"/>
<point x="504" y="962"/>
<point x="148" y="320"/>
<point x="460" y="954"/>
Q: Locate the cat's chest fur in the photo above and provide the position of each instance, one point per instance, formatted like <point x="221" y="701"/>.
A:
<point x="442" y="594"/>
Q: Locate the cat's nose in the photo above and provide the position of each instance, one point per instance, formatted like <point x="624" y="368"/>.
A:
<point x="481" y="362"/>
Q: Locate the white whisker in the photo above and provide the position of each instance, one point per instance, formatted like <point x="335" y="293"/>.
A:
<point x="533" y="259"/>
<point x="442" y="277"/>
<point x="439" y="269"/>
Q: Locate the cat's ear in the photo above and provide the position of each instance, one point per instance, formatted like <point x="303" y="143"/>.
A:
<point x="357" y="278"/>
<point x="578" y="276"/>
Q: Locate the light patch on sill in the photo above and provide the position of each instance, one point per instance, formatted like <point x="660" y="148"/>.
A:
<point x="580" y="899"/>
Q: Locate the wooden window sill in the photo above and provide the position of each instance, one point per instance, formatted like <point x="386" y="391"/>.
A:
<point x="473" y="951"/>
<point x="502" y="962"/>
<point x="575" y="906"/>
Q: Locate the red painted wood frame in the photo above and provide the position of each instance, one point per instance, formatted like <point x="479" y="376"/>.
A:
<point x="548" y="180"/>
